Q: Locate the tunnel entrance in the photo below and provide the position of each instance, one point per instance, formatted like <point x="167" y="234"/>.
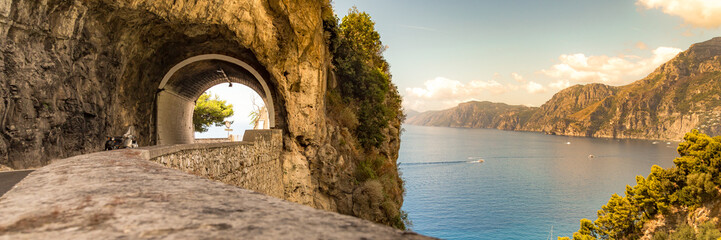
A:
<point x="249" y="113"/>
<point x="187" y="80"/>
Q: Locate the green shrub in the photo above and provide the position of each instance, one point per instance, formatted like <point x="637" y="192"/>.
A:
<point x="365" y="171"/>
<point x="342" y="112"/>
<point x="363" y="77"/>
<point x="660" y="236"/>
<point x="708" y="231"/>
<point x="366" y="102"/>
<point x="683" y="232"/>
<point x="692" y="182"/>
<point x="705" y="231"/>
<point x="369" y="168"/>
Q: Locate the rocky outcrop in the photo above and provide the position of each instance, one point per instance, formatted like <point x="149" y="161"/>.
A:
<point x="73" y="72"/>
<point x="680" y="95"/>
<point x="476" y="115"/>
<point x="680" y="216"/>
<point x="566" y="106"/>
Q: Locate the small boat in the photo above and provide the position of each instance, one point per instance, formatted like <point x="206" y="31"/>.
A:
<point x="591" y="156"/>
<point x="568" y="142"/>
<point x="654" y="143"/>
<point x="481" y="160"/>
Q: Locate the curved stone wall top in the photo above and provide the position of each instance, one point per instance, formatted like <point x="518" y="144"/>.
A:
<point x="118" y="194"/>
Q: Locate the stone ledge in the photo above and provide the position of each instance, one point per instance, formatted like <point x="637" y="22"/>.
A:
<point x="249" y="137"/>
<point x="156" y="151"/>
<point x="212" y="140"/>
<point x="118" y="194"/>
<point x="253" y="165"/>
<point x="256" y="134"/>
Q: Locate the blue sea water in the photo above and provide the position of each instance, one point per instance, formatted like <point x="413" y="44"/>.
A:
<point x="528" y="184"/>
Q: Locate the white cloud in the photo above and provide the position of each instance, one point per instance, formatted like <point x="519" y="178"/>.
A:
<point x="518" y="77"/>
<point x="579" y="68"/>
<point x="492" y="86"/>
<point x="441" y="93"/>
<point x="699" y="13"/>
<point x="560" y="84"/>
<point x="534" y="87"/>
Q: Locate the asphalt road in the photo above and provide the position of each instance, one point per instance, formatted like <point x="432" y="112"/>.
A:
<point x="9" y="179"/>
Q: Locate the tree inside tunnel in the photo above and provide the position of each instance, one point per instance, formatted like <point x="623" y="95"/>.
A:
<point x="247" y="106"/>
<point x="232" y="79"/>
<point x="210" y="111"/>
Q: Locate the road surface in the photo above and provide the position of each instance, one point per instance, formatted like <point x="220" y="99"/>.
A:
<point x="10" y="178"/>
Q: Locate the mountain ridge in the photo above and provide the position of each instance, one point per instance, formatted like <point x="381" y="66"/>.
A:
<point x="476" y="114"/>
<point x="681" y="94"/>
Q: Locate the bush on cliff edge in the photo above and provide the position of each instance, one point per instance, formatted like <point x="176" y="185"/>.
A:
<point x="367" y="103"/>
<point x="691" y="183"/>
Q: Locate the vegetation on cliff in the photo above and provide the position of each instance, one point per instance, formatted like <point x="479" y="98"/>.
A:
<point x="363" y="77"/>
<point x="691" y="184"/>
<point x="365" y="102"/>
<point x="210" y="111"/>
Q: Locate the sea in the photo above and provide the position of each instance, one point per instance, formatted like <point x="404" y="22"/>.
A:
<point x="527" y="186"/>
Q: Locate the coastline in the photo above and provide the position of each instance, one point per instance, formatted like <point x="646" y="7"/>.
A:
<point x="568" y="135"/>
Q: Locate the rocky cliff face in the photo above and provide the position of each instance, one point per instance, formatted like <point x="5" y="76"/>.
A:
<point x="476" y="115"/>
<point x="682" y="94"/>
<point x="563" y="109"/>
<point x="73" y="72"/>
<point x="679" y="216"/>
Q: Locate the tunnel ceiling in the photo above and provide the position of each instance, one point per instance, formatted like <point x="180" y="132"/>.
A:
<point x="194" y="79"/>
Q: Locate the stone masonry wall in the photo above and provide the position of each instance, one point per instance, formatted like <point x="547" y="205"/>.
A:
<point x="211" y="140"/>
<point x="253" y="165"/>
<point x="120" y="195"/>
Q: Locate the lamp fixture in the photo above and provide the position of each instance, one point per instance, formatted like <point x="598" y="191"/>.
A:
<point x="220" y="70"/>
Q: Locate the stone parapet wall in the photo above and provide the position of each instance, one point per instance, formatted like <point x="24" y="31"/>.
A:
<point x="253" y="164"/>
<point x="211" y="140"/>
<point x="120" y="195"/>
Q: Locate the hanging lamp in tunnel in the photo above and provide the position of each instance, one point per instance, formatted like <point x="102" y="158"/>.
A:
<point x="220" y="70"/>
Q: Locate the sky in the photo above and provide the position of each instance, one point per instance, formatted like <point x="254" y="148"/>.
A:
<point x="521" y="52"/>
<point x="443" y="53"/>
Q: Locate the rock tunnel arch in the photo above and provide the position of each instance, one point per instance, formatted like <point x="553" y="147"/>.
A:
<point x="187" y="80"/>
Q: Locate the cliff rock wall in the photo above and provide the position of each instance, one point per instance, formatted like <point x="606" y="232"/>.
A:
<point x="75" y="71"/>
<point x="476" y="115"/>
<point x="680" y="95"/>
